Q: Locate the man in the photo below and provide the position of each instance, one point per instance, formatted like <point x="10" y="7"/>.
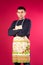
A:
<point x="20" y="28"/>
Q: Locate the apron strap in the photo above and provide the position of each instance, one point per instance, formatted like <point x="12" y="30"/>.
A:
<point x="21" y="23"/>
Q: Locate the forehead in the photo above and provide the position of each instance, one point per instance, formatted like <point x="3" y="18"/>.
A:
<point x="21" y="10"/>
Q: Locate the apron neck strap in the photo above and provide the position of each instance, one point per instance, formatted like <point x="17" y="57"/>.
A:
<point x="21" y="23"/>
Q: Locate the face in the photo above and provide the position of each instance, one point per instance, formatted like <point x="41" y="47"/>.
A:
<point x="21" y="13"/>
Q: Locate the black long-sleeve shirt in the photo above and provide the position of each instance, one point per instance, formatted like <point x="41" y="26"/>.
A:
<point x="25" y="31"/>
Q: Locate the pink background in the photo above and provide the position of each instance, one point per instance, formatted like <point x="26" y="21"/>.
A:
<point x="7" y="15"/>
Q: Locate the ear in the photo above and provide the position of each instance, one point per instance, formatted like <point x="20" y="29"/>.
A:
<point x="16" y="13"/>
<point x="25" y="13"/>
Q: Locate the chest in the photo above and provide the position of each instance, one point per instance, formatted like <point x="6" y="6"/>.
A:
<point x="19" y="25"/>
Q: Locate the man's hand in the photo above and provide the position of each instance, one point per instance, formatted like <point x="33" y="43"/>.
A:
<point x="18" y="27"/>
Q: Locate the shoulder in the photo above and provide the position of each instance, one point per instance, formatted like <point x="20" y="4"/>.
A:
<point x="14" y="22"/>
<point x="28" y="21"/>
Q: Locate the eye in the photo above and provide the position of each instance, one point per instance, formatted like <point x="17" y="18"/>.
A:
<point x="18" y="12"/>
<point x="22" y="12"/>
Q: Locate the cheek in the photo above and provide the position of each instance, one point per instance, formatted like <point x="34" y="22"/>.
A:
<point x="18" y="15"/>
<point x="23" y="14"/>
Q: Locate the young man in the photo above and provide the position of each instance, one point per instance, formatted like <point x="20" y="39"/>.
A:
<point x="20" y="29"/>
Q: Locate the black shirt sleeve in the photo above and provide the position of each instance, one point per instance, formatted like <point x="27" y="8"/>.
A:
<point x="12" y="32"/>
<point x="26" y="29"/>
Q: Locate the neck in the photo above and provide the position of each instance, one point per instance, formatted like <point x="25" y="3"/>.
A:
<point x="21" y="18"/>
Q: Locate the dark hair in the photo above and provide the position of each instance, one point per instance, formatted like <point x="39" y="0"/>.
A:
<point x="21" y="7"/>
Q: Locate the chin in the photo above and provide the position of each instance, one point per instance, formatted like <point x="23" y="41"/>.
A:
<point x="21" y="18"/>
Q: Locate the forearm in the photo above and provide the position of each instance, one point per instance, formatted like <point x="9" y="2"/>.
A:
<point x="12" y="32"/>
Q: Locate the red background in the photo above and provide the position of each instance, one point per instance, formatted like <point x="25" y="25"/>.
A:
<point x="7" y="15"/>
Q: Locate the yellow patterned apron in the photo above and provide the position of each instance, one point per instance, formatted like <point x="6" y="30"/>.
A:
<point x="21" y="50"/>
